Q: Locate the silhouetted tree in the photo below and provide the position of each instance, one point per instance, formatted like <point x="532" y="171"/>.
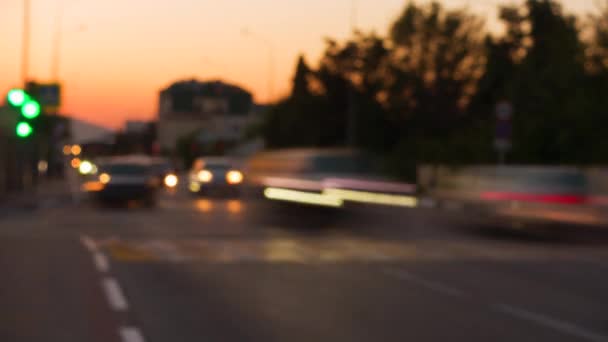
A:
<point x="438" y="57"/>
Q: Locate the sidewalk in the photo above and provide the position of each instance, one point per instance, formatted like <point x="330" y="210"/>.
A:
<point x="47" y="193"/>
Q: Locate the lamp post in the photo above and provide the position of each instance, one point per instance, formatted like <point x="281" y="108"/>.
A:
<point x="57" y="40"/>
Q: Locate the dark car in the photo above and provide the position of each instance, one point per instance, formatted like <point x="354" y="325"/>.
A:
<point x="215" y="176"/>
<point x="125" y="179"/>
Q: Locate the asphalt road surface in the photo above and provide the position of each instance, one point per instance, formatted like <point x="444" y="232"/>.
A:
<point x="196" y="269"/>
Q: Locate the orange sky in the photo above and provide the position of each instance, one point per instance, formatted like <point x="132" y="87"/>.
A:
<point x="130" y="49"/>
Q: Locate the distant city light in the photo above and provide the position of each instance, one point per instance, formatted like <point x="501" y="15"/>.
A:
<point x="75" y="163"/>
<point x="76" y="150"/>
<point x="67" y="150"/>
<point x="104" y="178"/>
<point x="43" y="166"/>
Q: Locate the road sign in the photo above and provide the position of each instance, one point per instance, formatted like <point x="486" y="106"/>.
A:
<point x="49" y="95"/>
<point x="504" y="111"/>
<point x="502" y="142"/>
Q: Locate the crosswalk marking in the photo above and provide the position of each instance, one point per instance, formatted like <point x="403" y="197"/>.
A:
<point x="311" y="251"/>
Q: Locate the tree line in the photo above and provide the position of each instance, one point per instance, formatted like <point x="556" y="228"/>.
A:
<point x="427" y="91"/>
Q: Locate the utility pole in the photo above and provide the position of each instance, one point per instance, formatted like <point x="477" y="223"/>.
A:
<point x="57" y="42"/>
<point x="26" y="43"/>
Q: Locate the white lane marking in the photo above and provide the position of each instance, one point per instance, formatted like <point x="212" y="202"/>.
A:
<point x="557" y="325"/>
<point x="89" y="244"/>
<point x="430" y="284"/>
<point x="101" y="262"/>
<point x="130" y="334"/>
<point x="115" y="295"/>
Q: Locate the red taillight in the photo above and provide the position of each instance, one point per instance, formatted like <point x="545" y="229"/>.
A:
<point x="539" y="198"/>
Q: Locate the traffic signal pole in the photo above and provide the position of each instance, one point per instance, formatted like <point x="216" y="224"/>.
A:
<point x="28" y="111"/>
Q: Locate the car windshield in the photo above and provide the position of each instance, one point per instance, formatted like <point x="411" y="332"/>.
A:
<point x="124" y="169"/>
<point x="217" y="166"/>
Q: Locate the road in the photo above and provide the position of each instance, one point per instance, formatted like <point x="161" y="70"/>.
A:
<point x="198" y="269"/>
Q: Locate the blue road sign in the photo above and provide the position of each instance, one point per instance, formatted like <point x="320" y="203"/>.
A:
<point x="49" y="95"/>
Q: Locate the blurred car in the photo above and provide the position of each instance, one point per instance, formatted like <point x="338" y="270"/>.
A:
<point x="330" y="178"/>
<point x="122" y="179"/>
<point x="526" y="198"/>
<point x="215" y="175"/>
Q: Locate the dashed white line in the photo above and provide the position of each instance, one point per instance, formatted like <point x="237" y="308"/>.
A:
<point x="555" y="324"/>
<point x="89" y="244"/>
<point x="130" y="334"/>
<point x="115" y="295"/>
<point x="429" y="284"/>
<point x="101" y="262"/>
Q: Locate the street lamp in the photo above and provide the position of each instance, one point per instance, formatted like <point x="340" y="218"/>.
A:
<point x="270" y="47"/>
<point x="55" y="63"/>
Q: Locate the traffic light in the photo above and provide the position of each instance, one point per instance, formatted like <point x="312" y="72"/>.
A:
<point x="28" y="107"/>
<point x="17" y="97"/>
<point x="24" y="129"/>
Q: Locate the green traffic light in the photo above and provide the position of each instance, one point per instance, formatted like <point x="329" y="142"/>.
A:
<point x="17" y="97"/>
<point x="24" y="130"/>
<point x="31" y="109"/>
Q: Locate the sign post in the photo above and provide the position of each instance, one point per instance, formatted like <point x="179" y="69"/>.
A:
<point x="502" y="142"/>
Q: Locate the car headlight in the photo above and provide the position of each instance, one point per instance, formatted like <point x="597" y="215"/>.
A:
<point x="205" y="176"/>
<point x="234" y="177"/>
<point x="171" y="180"/>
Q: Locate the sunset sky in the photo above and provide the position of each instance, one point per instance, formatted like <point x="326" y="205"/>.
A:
<point x="117" y="54"/>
